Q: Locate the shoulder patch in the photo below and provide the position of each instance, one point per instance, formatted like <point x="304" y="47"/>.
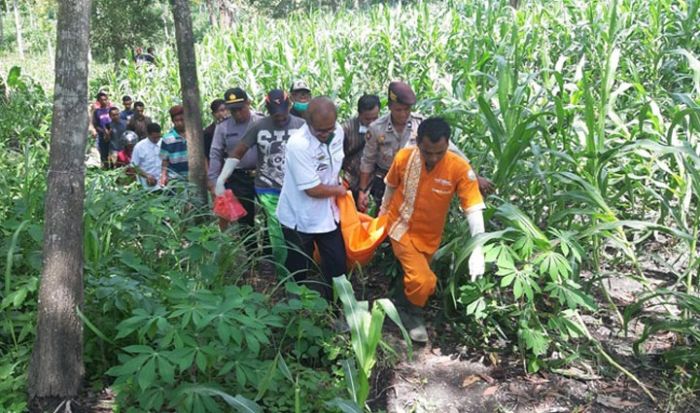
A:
<point x="471" y="175"/>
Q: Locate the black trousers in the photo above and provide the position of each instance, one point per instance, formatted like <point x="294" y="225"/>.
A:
<point x="300" y="257"/>
<point x="103" y="149"/>
<point x="378" y="187"/>
<point x="241" y="183"/>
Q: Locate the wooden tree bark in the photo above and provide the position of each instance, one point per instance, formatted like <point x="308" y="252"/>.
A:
<point x="56" y="367"/>
<point x="220" y="13"/>
<point x="2" y="32"/>
<point x="18" y="26"/>
<point x="190" y="97"/>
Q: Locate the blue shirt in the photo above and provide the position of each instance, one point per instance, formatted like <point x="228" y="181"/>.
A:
<point x="125" y="115"/>
<point x="173" y="148"/>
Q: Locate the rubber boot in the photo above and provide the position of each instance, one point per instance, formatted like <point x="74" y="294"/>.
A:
<point x="412" y="318"/>
<point x="411" y="315"/>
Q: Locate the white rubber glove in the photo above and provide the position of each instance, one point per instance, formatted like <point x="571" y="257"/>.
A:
<point x="226" y="171"/>
<point x="476" y="260"/>
<point x="386" y="199"/>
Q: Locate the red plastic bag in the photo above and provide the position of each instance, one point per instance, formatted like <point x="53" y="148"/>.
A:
<point x="228" y="207"/>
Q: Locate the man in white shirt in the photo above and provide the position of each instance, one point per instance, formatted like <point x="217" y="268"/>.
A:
<point x="145" y="158"/>
<point x="307" y="208"/>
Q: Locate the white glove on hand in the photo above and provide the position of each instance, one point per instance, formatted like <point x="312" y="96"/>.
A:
<point x="226" y="171"/>
<point x="476" y="263"/>
<point x="476" y="260"/>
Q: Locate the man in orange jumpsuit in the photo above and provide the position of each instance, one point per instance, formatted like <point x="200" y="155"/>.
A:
<point x="419" y="188"/>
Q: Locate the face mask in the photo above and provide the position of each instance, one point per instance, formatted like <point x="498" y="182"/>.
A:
<point x="301" y="106"/>
<point x="363" y="129"/>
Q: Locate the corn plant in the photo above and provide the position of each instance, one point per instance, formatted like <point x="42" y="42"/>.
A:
<point x="366" y="335"/>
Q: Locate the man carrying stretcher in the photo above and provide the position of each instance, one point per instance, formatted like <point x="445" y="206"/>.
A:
<point x="419" y="188"/>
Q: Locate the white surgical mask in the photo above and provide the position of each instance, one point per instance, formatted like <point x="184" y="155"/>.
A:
<point x="363" y="129"/>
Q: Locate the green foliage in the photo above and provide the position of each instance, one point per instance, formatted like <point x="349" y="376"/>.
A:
<point x="24" y="110"/>
<point x="21" y="200"/>
<point x="182" y="305"/>
<point x="221" y="339"/>
<point x="533" y="294"/>
<point x="585" y="114"/>
<point x="37" y="19"/>
<point x="117" y="27"/>
<point x="366" y="334"/>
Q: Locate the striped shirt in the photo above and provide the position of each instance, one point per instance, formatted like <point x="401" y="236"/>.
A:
<point x="173" y="148"/>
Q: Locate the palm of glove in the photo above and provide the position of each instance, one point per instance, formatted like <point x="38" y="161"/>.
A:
<point x="476" y="264"/>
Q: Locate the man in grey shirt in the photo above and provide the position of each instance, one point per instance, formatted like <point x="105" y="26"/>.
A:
<point x="227" y="136"/>
<point x="269" y="136"/>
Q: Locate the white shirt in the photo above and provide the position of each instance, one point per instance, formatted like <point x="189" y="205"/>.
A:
<point x="308" y="163"/>
<point x="146" y="155"/>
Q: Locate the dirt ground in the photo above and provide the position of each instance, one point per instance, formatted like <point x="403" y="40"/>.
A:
<point x="456" y="383"/>
<point x="446" y="377"/>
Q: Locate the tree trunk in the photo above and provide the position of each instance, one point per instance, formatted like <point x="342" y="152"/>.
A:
<point x="165" y="22"/>
<point x="190" y="97"/>
<point x="18" y="26"/>
<point x="226" y="10"/>
<point x="56" y="367"/>
<point x="220" y="13"/>
<point x="211" y="11"/>
<point x="32" y="19"/>
<point x="2" y="32"/>
<point x="117" y="55"/>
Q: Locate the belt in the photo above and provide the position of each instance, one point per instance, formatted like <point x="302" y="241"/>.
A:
<point x="380" y="172"/>
<point x="246" y="172"/>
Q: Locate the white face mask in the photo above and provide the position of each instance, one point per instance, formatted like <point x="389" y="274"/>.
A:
<point x="363" y="129"/>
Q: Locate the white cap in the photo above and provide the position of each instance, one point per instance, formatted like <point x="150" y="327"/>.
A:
<point x="299" y="85"/>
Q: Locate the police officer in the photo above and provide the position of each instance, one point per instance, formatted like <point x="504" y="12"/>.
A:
<point x="227" y="134"/>
<point x="385" y="136"/>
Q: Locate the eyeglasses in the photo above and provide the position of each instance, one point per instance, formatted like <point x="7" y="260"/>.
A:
<point x="322" y="131"/>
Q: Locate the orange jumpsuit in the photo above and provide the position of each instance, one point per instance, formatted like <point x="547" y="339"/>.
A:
<point x="417" y="212"/>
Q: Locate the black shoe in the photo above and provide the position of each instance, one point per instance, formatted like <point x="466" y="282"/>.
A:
<point x="267" y="269"/>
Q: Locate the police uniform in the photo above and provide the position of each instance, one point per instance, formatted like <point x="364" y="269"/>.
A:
<point x="382" y="144"/>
